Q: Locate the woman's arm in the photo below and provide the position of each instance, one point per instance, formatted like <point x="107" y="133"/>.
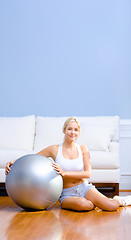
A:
<point x="86" y="173"/>
<point x="50" y="151"/>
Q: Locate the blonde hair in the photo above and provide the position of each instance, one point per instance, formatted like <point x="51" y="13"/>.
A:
<point x="71" y="119"/>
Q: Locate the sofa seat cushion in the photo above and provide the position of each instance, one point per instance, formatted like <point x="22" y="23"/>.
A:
<point x="2" y="175"/>
<point x="98" y="176"/>
<point x="104" y="160"/>
<point x="17" y="132"/>
<point x="105" y="176"/>
<point x="10" y="155"/>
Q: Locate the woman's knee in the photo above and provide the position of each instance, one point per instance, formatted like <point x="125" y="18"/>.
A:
<point x="77" y="204"/>
<point x="86" y="205"/>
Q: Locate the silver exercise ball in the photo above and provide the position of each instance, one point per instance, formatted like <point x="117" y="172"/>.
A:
<point x="32" y="182"/>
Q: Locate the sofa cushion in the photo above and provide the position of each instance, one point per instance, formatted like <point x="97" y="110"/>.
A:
<point x="104" y="160"/>
<point x="48" y="132"/>
<point x="103" y="121"/>
<point x="10" y="155"/>
<point x="2" y="175"/>
<point x="105" y="176"/>
<point x="95" y="137"/>
<point x="96" y="132"/>
<point x="98" y="176"/>
<point x="17" y="132"/>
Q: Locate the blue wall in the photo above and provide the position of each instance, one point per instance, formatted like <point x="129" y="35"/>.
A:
<point x="65" y="57"/>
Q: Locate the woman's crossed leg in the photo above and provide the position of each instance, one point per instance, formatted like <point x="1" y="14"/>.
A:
<point x="93" y="198"/>
<point x="77" y="204"/>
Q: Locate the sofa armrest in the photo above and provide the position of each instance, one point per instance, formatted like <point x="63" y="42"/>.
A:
<point x="114" y="147"/>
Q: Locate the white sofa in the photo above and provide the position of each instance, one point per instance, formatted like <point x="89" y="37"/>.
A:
<point x="23" y="135"/>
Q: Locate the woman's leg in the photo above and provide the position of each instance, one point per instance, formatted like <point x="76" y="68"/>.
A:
<point x="77" y="204"/>
<point x="101" y="201"/>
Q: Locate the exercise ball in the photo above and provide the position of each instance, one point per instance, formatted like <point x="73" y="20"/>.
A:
<point x="32" y="182"/>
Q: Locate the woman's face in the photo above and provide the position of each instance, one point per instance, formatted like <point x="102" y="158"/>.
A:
<point x="71" y="131"/>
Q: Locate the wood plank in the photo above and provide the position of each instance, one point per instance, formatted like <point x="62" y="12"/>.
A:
<point x="60" y="224"/>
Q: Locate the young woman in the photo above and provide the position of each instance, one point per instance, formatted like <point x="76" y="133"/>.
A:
<point x="73" y="163"/>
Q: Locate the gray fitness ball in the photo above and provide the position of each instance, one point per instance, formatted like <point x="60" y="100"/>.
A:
<point x="32" y="182"/>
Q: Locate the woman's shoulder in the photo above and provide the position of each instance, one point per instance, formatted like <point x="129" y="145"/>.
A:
<point x="84" y="148"/>
<point x="53" y="148"/>
<point x="50" y="151"/>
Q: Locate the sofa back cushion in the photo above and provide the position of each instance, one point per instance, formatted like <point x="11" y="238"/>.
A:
<point x="96" y="132"/>
<point x="95" y="137"/>
<point x="110" y="122"/>
<point x="48" y="132"/>
<point x="17" y="132"/>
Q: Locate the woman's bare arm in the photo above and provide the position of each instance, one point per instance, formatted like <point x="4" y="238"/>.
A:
<point x="50" y="151"/>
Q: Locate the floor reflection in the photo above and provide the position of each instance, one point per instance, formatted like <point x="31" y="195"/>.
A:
<point x="92" y="225"/>
<point x="30" y="225"/>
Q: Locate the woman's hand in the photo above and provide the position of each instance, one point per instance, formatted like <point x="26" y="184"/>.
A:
<point x="8" y="167"/>
<point x="58" y="169"/>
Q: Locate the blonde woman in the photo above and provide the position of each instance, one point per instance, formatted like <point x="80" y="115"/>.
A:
<point x="73" y="163"/>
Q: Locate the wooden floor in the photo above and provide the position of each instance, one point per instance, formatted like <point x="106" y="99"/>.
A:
<point x="59" y="224"/>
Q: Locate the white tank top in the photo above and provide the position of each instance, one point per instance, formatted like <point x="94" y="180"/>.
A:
<point x="70" y="164"/>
